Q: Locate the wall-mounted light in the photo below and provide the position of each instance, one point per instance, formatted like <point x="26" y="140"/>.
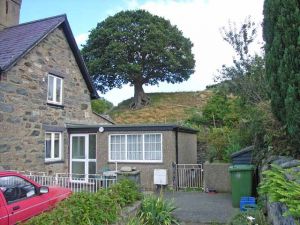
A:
<point x="101" y="129"/>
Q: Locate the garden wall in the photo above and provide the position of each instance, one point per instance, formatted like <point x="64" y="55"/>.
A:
<point x="217" y="177"/>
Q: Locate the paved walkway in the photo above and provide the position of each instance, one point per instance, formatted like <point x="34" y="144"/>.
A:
<point x="197" y="208"/>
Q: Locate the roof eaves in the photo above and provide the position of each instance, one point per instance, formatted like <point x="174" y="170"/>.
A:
<point x="105" y="118"/>
<point x="79" y="60"/>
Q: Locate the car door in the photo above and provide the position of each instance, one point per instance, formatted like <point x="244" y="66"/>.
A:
<point x="23" y="201"/>
<point x="3" y="211"/>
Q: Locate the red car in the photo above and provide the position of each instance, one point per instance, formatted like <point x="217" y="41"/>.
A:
<point x="22" y="198"/>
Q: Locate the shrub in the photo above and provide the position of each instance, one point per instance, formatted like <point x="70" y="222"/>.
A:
<point x="90" y="208"/>
<point x="279" y="189"/>
<point x="156" y="211"/>
<point x="101" y="105"/>
<point x="245" y="218"/>
<point x="124" y="192"/>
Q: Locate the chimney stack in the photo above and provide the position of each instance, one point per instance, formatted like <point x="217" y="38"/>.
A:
<point x="9" y="13"/>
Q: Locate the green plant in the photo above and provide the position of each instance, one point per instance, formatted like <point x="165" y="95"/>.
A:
<point x="281" y="34"/>
<point x="248" y="218"/>
<point x="101" y="105"/>
<point x="157" y="211"/>
<point x="124" y="192"/>
<point x="279" y="189"/>
<point x="91" y="208"/>
<point x="135" y="221"/>
<point x="137" y="48"/>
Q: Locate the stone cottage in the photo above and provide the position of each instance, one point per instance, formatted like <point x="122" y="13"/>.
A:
<point x="44" y="85"/>
<point x="46" y="120"/>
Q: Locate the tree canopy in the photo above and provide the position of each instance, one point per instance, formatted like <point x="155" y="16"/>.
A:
<point x="137" y="48"/>
<point x="282" y="36"/>
<point x="246" y="77"/>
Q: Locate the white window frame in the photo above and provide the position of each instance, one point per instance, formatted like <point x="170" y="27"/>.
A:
<point x="52" y="158"/>
<point x="86" y="160"/>
<point x="143" y="150"/>
<point x="54" y="101"/>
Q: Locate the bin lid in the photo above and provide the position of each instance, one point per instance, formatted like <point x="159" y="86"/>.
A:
<point x="241" y="167"/>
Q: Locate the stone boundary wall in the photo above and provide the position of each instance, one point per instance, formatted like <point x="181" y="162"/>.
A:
<point x="217" y="177"/>
<point x="276" y="210"/>
<point x="129" y="211"/>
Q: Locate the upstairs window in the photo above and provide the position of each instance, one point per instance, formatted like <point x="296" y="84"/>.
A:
<point x="55" y="86"/>
<point x="53" y="146"/>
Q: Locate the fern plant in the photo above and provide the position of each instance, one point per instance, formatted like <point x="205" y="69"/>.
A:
<point x="279" y="189"/>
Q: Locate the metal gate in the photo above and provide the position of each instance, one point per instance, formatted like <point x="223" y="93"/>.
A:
<point x="188" y="176"/>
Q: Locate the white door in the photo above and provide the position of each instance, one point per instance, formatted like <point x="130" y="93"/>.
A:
<point x="82" y="156"/>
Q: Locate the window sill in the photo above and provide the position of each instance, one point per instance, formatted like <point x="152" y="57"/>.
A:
<point x="55" y="105"/>
<point x="136" y="162"/>
<point x="54" y="161"/>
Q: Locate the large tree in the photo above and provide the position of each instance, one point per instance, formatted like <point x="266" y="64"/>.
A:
<point x="281" y="32"/>
<point x="137" y="48"/>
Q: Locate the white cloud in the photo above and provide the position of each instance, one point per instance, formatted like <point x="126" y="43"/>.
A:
<point x="199" y="20"/>
<point x="81" y="39"/>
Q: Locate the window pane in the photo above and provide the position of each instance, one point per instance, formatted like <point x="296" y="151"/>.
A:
<point x="16" y="188"/>
<point x="58" y="89"/>
<point x="56" y="145"/>
<point x="78" y="145"/>
<point x="50" y="88"/>
<point x="153" y="150"/>
<point x="117" y="147"/>
<point x="92" y="146"/>
<point x="134" y="147"/>
<point x="48" y="145"/>
<point x="92" y="167"/>
<point x="78" y="169"/>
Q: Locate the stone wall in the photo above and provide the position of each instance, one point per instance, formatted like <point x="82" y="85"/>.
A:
<point x="216" y="177"/>
<point x="24" y="112"/>
<point x="276" y="210"/>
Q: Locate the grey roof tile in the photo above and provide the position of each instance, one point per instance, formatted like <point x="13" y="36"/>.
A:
<point x="18" y="40"/>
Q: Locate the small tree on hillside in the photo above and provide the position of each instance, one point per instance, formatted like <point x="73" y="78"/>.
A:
<point x="282" y="36"/>
<point x="246" y="77"/>
<point x="137" y="48"/>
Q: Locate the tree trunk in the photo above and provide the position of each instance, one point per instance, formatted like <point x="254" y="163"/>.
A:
<point x="140" y="98"/>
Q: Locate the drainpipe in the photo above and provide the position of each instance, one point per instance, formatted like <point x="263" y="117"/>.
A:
<point x="175" y="171"/>
<point x="176" y="144"/>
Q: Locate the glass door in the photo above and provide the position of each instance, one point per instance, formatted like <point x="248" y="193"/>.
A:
<point x="82" y="156"/>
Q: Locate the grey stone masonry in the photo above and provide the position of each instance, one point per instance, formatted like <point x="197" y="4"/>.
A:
<point x="24" y="111"/>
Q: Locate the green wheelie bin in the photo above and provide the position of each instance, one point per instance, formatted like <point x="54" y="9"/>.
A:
<point x="241" y="182"/>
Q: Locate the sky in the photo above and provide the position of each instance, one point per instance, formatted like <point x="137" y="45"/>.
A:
<point x="199" y="20"/>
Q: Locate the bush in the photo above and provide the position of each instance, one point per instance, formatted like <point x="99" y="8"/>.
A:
<point x="90" y="208"/>
<point x="245" y="218"/>
<point x="279" y="189"/>
<point x="156" y="211"/>
<point x="101" y="105"/>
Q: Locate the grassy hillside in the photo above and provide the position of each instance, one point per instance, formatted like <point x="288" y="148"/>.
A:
<point x="165" y="108"/>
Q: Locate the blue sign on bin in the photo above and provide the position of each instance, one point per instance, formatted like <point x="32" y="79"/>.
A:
<point x="247" y="203"/>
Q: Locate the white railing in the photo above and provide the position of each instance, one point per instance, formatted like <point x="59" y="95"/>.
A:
<point x="189" y="175"/>
<point x="76" y="182"/>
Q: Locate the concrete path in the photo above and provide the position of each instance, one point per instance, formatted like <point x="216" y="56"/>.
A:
<point x="197" y="208"/>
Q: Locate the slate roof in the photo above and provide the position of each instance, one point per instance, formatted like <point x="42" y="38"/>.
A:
<point x="17" y="41"/>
